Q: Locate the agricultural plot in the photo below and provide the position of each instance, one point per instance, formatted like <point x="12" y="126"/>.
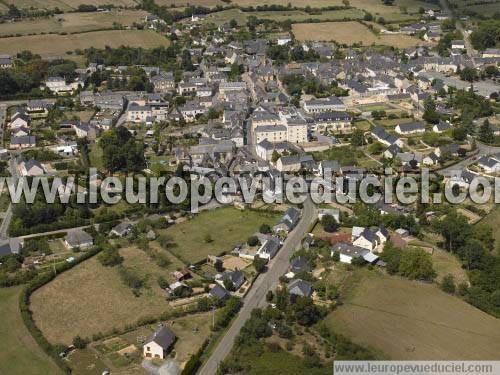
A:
<point x="58" y="45"/>
<point x="350" y="33"/>
<point x="412" y="320"/>
<point x="72" y="22"/>
<point x="65" y="5"/>
<point x="19" y="353"/>
<point x="215" y="231"/>
<point x="91" y="298"/>
<point x="481" y="7"/>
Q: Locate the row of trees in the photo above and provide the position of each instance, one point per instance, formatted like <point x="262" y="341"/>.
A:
<point x="473" y="245"/>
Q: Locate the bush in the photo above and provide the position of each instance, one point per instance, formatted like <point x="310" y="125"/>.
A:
<point x="448" y="284"/>
<point x="259" y="264"/>
<point x="329" y="223"/>
<point x="79" y="343"/>
<point x="253" y="241"/>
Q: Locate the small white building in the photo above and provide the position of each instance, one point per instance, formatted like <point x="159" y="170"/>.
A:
<point x="159" y="344"/>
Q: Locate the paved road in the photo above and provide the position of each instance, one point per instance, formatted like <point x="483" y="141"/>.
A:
<point x="256" y="297"/>
<point x="4" y="227"/>
<point x="468" y="45"/>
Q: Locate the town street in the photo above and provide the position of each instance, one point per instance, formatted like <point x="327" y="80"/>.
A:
<point x="256" y="297"/>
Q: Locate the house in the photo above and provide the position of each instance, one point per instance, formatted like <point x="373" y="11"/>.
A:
<point x="19" y="119"/>
<point x="237" y="278"/>
<point x="59" y="86"/>
<point x="299" y="264"/>
<point x="299" y="288"/>
<point x="491" y="52"/>
<point x="381" y="135"/>
<point x="6" y="62"/>
<point x="284" y="40"/>
<point x="328" y="168"/>
<point x="183" y="274"/>
<point x="31" y="168"/>
<point x="22" y="142"/>
<point x="158" y="345"/>
<point x="77" y="238"/>
<point x="163" y="82"/>
<point x="392" y="151"/>
<point x="288" y="221"/>
<point x="10" y="246"/>
<point x="21" y="132"/>
<point x="348" y="253"/>
<point x="332" y="103"/>
<point x="457" y="44"/>
<point x="335" y="121"/>
<point x="122" y="229"/>
<point x="269" y="248"/>
<point x="450" y="150"/>
<point x="370" y="239"/>
<point x="441" y="127"/>
<point x="462" y="179"/>
<point x="410" y="128"/>
<point x="138" y="113"/>
<point x="489" y="164"/>
<point x="431" y="159"/>
<point x="219" y="292"/>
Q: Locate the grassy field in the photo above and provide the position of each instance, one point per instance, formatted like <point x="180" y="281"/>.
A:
<point x="19" y="353"/>
<point x="72" y="22"/>
<point x="412" y="320"/>
<point x="95" y="156"/>
<point x="58" y="45"/>
<point x="350" y="33"/>
<point x="484" y="8"/>
<point x="227" y="227"/>
<point x="92" y="298"/>
<point x="65" y="4"/>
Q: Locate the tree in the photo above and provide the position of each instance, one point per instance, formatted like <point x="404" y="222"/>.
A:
<point x="253" y="241"/>
<point x="485" y="133"/>
<point x="329" y="223"/>
<point x="259" y="264"/>
<point x="430" y="113"/>
<point x="79" y="343"/>
<point x="448" y="284"/>
<point x="208" y="238"/>
<point x="275" y="156"/>
<point x="265" y="229"/>
<point x="357" y="138"/>
<point x="228" y="284"/>
<point x="416" y="264"/>
<point x="233" y="23"/>
<point x="269" y="296"/>
<point x="468" y="74"/>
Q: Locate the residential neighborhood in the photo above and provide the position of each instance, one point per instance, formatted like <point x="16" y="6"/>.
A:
<point x="145" y="227"/>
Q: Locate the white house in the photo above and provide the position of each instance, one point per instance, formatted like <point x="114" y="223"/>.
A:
<point x="410" y="128"/>
<point x="159" y="344"/>
<point x="489" y="164"/>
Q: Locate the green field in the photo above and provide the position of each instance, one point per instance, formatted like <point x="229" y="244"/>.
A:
<point x="227" y="227"/>
<point x="412" y="320"/>
<point x="57" y="45"/>
<point x="72" y="22"/>
<point x="19" y="353"/>
<point x="484" y="8"/>
<point x="91" y="298"/>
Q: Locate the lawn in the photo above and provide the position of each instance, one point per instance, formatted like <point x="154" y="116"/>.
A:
<point x="349" y="33"/>
<point x="415" y="321"/>
<point x="57" y="45"/>
<point x="345" y="155"/>
<point x="95" y="156"/>
<point x="72" y="22"/>
<point x="91" y="298"/>
<point x="19" y="353"/>
<point x="226" y="227"/>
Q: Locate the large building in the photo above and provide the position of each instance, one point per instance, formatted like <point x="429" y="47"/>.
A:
<point x="331" y="103"/>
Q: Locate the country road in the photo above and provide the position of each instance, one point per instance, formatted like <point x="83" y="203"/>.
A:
<point x="459" y="26"/>
<point x="256" y="297"/>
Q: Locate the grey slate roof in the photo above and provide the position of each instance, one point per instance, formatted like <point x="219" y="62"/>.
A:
<point x="163" y="337"/>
